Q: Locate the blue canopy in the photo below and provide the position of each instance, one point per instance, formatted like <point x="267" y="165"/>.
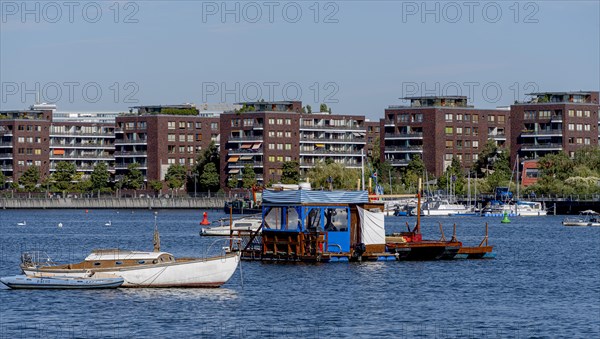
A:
<point x="302" y="196"/>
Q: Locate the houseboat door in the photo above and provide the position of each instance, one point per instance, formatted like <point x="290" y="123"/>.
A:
<point x="335" y="222"/>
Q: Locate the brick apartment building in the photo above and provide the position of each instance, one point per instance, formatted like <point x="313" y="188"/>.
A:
<point x="266" y="134"/>
<point x="438" y="128"/>
<point x="552" y="122"/>
<point x="156" y="137"/>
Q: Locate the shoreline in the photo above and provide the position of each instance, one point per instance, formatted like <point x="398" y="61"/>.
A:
<point x="113" y="203"/>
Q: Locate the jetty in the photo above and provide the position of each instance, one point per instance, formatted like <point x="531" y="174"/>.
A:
<point x="113" y="203"/>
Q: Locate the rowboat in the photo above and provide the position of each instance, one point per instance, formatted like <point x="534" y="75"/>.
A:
<point x="57" y="282"/>
<point x="239" y="226"/>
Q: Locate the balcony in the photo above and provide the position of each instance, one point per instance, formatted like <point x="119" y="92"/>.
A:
<point x="130" y="154"/>
<point x="403" y="149"/>
<point x="238" y="151"/>
<point x="398" y="162"/>
<point x="81" y="145"/>
<point x="6" y="168"/>
<point x="6" y="155"/>
<point x="412" y="135"/>
<point x="331" y="152"/>
<point x="497" y="136"/>
<point x="138" y="141"/>
<point x="332" y="141"/>
<point x="304" y="127"/>
<point x="103" y="156"/>
<point x="246" y="138"/>
<point x="83" y="168"/>
<point x="549" y="146"/>
<point x="81" y="133"/>
<point x="544" y="132"/>
<point x="6" y="144"/>
<point x="124" y="166"/>
<point x="242" y="164"/>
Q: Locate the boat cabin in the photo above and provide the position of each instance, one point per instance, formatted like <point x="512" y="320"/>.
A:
<point x="318" y="225"/>
<point x="111" y="258"/>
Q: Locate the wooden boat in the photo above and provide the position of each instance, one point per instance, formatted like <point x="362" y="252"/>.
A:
<point x="57" y="282"/>
<point x="239" y="226"/>
<point x="140" y="269"/>
<point x="585" y="218"/>
<point x="483" y="251"/>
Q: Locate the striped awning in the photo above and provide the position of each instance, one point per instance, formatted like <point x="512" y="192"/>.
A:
<point x="246" y="146"/>
<point x="256" y="146"/>
<point x="58" y="152"/>
<point x="233" y="158"/>
<point x="246" y="157"/>
<point x="320" y="145"/>
<point x="234" y="171"/>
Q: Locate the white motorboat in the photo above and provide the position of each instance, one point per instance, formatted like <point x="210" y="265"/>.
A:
<point x="239" y="226"/>
<point x="140" y="269"/>
<point x="530" y="209"/>
<point x="585" y="218"/>
<point x="442" y="207"/>
<point x="56" y="282"/>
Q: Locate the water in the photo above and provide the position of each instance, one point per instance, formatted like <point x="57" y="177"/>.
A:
<point x="544" y="282"/>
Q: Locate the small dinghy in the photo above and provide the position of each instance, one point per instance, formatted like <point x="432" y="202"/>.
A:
<point x="31" y="282"/>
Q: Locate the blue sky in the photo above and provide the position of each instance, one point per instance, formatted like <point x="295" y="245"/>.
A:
<point x="359" y="56"/>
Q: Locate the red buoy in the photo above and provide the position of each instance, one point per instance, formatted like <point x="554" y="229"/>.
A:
<point x="205" y="219"/>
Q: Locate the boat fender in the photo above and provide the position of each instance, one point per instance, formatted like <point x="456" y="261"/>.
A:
<point x="89" y="273"/>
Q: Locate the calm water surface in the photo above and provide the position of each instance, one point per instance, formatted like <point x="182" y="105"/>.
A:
<point x="544" y="283"/>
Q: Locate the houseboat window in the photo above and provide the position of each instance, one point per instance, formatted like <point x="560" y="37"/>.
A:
<point x="97" y="264"/>
<point x="336" y="220"/>
<point x="293" y="219"/>
<point x="141" y="262"/>
<point x="118" y="262"/>
<point x="273" y="218"/>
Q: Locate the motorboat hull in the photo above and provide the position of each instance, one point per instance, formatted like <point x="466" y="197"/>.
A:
<point x="56" y="282"/>
<point x="210" y="272"/>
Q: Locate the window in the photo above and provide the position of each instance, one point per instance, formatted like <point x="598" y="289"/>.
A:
<point x="571" y="127"/>
<point x="288" y="158"/>
<point x="288" y="121"/>
<point x="171" y="161"/>
<point x="271" y="134"/>
<point x="271" y="121"/>
<point x="475" y="156"/>
<point x="271" y="158"/>
<point x="579" y="113"/>
<point x="288" y="134"/>
<point x="402" y="118"/>
<point x="491" y="118"/>
<point x="448" y="116"/>
<point x="475" y="144"/>
<point x="30" y="139"/>
<point x="459" y="117"/>
<point x="37" y="151"/>
<point x="587" y="127"/>
<point x="190" y="149"/>
<point x="579" y="141"/>
<point x="586" y="114"/>
<point x="171" y="125"/>
<point x="475" y="118"/>
<point x="544" y="114"/>
<point x="448" y="156"/>
<point x="181" y="137"/>
<point x="417" y="117"/>
<point x="214" y="126"/>
<point x="181" y="149"/>
<point x="190" y="138"/>
<point x="21" y="139"/>
<point x="280" y="134"/>
<point x="501" y="119"/>
<point x="587" y="141"/>
<point x="459" y="130"/>
<point x="571" y="113"/>
<point x="271" y="146"/>
<point x="288" y="146"/>
<point x="449" y="144"/>
<point x="249" y="122"/>
<point x="579" y="127"/>
<point x="448" y="130"/>
<point x="182" y="161"/>
<point x="38" y="163"/>
<point x="171" y="149"/>
<point x="279" y="146"/>
<point x="279" y="121"/>
<point x="190" y="125"/>
<point x="467" y="117"/>
<point x="198" y="125"/>
<point x="171" y="137"/>
<point x="475" y="131"/>
<point x="280" y="159"/>
<point x="467" y="130"/>
<point x="529" y="115"/>
<point x="199" y="137"/>
<point x="459" y="144"/>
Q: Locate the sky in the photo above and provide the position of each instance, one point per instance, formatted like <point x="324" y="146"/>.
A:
<point x="358" y="57"/>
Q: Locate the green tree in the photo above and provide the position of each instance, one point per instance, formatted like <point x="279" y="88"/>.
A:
<point x="210" y="177"/>
<point x="2" y="180"/>
<point x="134" y="179"/>
<point x="453" y="177"/>
<point x="290" y="172"/>
<point x="323" y="108"/>
<point x="376" y="153"/>
<point x="342" y="177"/>
<point x="30" y="178"/>
<point x="155" y="185"/>
<point x="100" y="177"/>
<point x="64" y="175"/>
<point x="209" y="156"/>
<point x="308" y="109"/>
<point x="248" y="176"/>
<point x="175" y="176"/>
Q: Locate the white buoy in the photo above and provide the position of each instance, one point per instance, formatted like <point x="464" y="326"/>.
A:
<point x="22" y="223"/>
<point x="60" y="225"/>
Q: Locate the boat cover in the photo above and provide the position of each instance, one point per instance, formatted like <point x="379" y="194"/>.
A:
<point x="373" y="227"/>
<point x="298" y="197"/>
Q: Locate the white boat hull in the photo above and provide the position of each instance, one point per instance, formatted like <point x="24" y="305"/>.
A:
<point x="580" y="223"/>
<point x="211" y="272"/>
